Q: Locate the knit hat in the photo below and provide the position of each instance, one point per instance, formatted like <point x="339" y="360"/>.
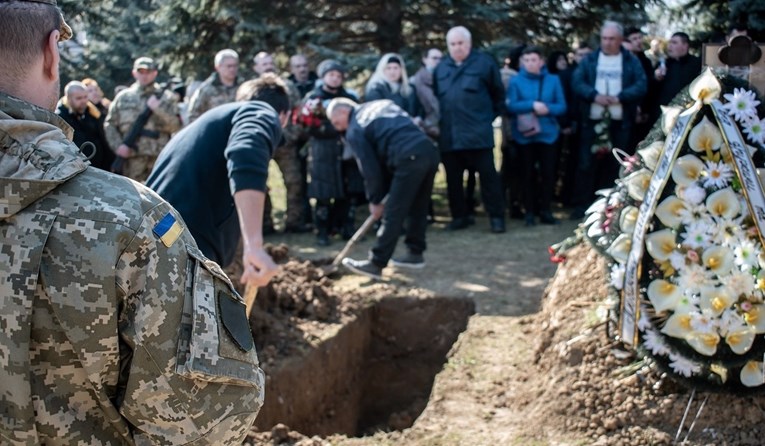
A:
<point x="330" y="65"/>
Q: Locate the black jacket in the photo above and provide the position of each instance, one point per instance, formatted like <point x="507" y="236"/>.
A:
<point x="88" y="127"/>
<point x="381" y="135"/>
<point x="410" y="104"/>
<point x="680" y="72"/>
<point x="224" y="151"/>
<point x="471" y="95"/>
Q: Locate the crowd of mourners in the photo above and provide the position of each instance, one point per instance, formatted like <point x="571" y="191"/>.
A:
<point x="561" y="115"/>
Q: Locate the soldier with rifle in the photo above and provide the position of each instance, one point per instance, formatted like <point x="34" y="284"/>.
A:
<point x="140" y="122"/>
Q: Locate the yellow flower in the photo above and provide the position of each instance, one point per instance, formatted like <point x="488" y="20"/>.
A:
<point x="620" y="248"/>
<point x="678" y="326"/>
<point x="669" y="211"/>
<point x="687" y="170"/>
<point x="752" y="374"/>
<point x="705" y="88"/>
<point x="723" y="203"/>
<point x="637" y="183"/>
<point x="664" y="295"/>
<point x="661" y="244"/>
<point x="755" y="319"/>
<point x="715" y="299"/>
<point x="740" y="341"/>
<point x="704" y="343"/>
<point x="705" y="137"/>
<point x="628" y="218"/>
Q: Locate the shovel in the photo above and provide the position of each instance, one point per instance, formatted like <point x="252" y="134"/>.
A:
<point x="365" y="227"/>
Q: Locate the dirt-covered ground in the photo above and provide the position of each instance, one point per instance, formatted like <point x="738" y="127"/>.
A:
<point x="533" y="367"/>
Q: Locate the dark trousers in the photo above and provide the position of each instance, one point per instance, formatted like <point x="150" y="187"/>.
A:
<point x="545" y="156"/>
<point x="408" y="199"/>
<point x="482" y="160"/>
<point x="596" y="172"/>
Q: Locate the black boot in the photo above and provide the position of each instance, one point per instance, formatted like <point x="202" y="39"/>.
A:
<point x="349" y="224"/>
<point x="321" y="221"/>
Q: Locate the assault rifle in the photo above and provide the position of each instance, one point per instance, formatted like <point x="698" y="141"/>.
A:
<point x="135" y="132"/>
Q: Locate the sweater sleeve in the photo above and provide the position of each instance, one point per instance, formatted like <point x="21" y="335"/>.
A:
<point x="254" y="134"/>
<point x="369" y="165"/>
<point x="515" y="105"/>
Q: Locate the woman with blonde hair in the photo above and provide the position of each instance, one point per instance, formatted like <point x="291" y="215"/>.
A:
<point x="389" y="81"/>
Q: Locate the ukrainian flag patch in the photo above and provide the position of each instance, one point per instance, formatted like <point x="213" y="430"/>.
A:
<point x="168" y="230"/>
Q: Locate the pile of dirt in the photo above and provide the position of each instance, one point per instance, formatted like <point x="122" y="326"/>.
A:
<point x="295" y="306"/>
<point x="590" y="386"/>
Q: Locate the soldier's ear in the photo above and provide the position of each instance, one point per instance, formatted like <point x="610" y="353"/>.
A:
<point x="51" y="56"/>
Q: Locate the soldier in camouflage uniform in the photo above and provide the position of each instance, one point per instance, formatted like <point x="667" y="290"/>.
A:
<point x="115" y="330"/>
<point x="126" y="107"/>
<point x="219" y="88"/>
<point x="287" y="158"/>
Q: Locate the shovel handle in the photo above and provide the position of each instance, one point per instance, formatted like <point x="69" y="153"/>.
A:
<point x="365" y="227"/>
<point x="250" y="292"/>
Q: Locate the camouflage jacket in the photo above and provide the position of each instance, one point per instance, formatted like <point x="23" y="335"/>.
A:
<point x="114" y="327"/>
<point x="126" y="107"/>
<point x="211" y="94"/>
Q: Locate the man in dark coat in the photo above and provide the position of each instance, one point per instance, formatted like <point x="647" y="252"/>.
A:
<point x="680" y="70"/>
<point x="471" y="95"/>
<point x="86" y="120"/>
<point x="610" y="84"/>
<point x="214" y="173"/>
<point x="395" y="158"/>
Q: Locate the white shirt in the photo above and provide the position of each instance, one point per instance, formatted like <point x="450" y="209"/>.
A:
<point x="608" y="81"/>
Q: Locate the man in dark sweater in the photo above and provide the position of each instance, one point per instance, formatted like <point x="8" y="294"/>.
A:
<point x="396" y="159"/>
<point x="214" y="173"/>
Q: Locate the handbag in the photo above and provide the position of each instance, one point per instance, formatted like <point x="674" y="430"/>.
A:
<point x="528" y="123"/>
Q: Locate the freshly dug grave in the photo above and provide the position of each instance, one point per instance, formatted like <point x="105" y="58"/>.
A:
<point x="597" y="390"/>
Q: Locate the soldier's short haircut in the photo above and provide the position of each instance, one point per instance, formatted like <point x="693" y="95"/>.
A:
<point x="24" y="31"/>
<point x="225" y="54"/>
<point x="268" y="88"/>
<point x="73" y="86"/>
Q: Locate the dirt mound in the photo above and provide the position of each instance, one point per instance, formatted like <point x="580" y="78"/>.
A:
<point x="592" y="387"/>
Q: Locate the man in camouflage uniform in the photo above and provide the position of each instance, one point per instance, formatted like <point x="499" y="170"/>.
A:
<point x="286" y="157"/>
<point x="124" y="111"/>
<point x="115" y="329"/>
<point x="219" y="88"/>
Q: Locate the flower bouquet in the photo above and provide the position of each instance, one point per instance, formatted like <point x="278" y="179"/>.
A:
<point x="683" y="233"/>
<point x="602" y="145"/>
<point x="311" y="114"/>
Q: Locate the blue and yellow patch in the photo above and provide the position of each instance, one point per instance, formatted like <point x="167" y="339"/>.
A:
<point x="168" y="230"/>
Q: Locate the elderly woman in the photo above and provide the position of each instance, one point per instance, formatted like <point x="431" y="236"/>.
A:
<point x="389" y="81"/>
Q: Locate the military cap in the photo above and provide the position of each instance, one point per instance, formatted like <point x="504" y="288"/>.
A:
<point x="66" y="31"/>
<point x="146" y="63"/>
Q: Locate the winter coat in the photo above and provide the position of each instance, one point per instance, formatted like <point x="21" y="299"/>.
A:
<point x="471" y="95"/>
<point x="423" y="84"/>
<point x="523" y="90"/>
<point x="325" y="153"/>
<point x="88" y="127"/>
<point x="410" y="104"/>
<point x="680" y="72"/>
<point x="633" y="84"/>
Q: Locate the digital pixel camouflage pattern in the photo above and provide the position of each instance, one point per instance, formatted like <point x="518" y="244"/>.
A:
<point x="164" y="121"/>
<point x="111" y="332"/>
<point x="211" y="94"/>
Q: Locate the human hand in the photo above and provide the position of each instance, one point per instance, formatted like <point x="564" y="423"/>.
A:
<point x="602" y="99"/>
<point x="660" y="73"/>
<point x="613" y="100"/>
<point x="153" y="102"/>
<point x="124" y="151"/>
<point x="540" y="108"/>
<point x="376" y="210"/>
<point x="259" y="267"/>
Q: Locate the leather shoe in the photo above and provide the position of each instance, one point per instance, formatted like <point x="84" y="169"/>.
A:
<point x="497" y="225"/>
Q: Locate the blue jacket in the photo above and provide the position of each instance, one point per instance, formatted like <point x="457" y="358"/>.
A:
<point x="471" y="95"/>
<point x="634" y="84"/>
<point x="523" y="90"/>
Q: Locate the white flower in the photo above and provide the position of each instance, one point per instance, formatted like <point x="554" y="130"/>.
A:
<point x="620" y="248"/>
<point x="703" y="322"/>
<point x="705" y="137"/>
<point x="696" y="235"/>
<point x="692" y="278"/>
<point x="746" y="253"/>
<point x="726" y="232"/>
<point x="660" y="244"/>
<point x="693" y="194"/>
<point x="740" y="283"/>
<point x="670" y="210"/>
<point x="617" y="276"/>
<point x="687" y="170"/>
<point x="755" y="130"/>
<point x="742" y="104"/>
<point x="696" y="214"/>
<point x="654" y="343"/>
<point x="683" y="366"/>
<point x="731" y="322"/>
<point x="717" y="174"/>
<point x="723" y="203"/>
<point x="752" y="374"/>
<point x="677" y="260"/>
